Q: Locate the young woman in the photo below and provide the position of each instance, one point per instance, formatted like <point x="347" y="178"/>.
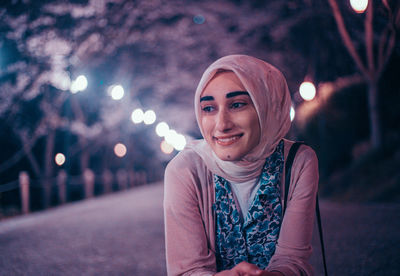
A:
<point x="223" y="197"/>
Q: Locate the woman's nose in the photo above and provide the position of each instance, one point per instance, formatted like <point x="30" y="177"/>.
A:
<point x="223" y="121"/>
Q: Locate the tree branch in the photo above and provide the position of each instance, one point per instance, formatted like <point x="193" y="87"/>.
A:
<point x="369" y="40"/>
<point x="389" y="36"/>
<point x="346" y="38"/>
<point x="31" y="158"/>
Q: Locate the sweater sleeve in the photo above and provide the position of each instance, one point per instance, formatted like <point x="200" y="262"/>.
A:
<point x="293" y="249"/>
<point x="187" y="250"/>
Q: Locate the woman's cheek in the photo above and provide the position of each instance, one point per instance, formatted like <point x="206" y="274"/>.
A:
<point x="206" y="125"/>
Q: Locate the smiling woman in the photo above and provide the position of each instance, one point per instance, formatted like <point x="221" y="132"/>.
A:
<point x="229" y="120"/>
<point x="223" y="196"/>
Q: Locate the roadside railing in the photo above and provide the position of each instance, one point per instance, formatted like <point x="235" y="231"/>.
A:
<point x="122" y="180"/>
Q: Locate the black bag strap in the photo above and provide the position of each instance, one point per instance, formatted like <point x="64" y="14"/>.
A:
<point x="321" y="237"/>
<point x="288" y="169"/>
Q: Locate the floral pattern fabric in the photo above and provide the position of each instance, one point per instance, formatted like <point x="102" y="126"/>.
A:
<point x="253" y="239"/>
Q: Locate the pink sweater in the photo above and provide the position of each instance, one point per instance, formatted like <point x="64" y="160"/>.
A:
<point x="189" y="219"/>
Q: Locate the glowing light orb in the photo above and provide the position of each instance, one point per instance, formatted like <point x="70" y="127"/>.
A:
<point x="166" y="148"/>
<point x="59" y="159"/>
<point x="60" y="80"/>
<point x="120" y="150"/>
<point x="180" y="142"/>
<point x="170" y="137"/>
<point x="79" y="84"/>
<point x="149" y="117"/>
<point x="137" y="116"/>
<point x="117" y="92"/>
<point x="359" y="6"/>
<point x="162" y="129"/>
<point x="199" y="19"/>
<point x="307" y="90"/>
<point x="292" y="113"/>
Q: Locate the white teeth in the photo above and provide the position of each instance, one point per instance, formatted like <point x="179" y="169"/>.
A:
<point x="228" y="139"/>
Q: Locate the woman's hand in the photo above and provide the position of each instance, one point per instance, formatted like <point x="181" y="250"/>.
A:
<point x="247" y="269"/>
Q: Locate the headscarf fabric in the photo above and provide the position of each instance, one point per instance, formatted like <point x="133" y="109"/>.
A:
<point x="269" y="92"/>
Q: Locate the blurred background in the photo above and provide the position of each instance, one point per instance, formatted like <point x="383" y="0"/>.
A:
<point x="97" y="96"/>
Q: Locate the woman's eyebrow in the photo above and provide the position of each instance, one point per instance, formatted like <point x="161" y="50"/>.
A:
<point x="207" y="98"/>
<point x="236" y="93"/>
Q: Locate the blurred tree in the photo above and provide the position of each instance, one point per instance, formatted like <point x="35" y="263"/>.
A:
<point x="157" y="54"/>
<point x="156" y="51"/>
<point x="376" y="59"/>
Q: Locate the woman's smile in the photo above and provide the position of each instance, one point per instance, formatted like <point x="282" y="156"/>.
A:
<point x="227" y="140"/>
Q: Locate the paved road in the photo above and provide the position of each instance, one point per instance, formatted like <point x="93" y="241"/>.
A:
<point x="122" y="234"/>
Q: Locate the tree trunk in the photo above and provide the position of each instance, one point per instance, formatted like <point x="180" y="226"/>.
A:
<point x="84" y="164"/>
<point x="374" y="120"/>
<point x="48" y="168"/>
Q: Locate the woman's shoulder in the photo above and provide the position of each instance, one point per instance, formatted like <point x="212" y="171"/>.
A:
<point x="187" y="159"/>
<point x="305" y="175"/>
<point x="186" y="166"/>
<point x="186" y="175"/>
<point x="305" y="152"/>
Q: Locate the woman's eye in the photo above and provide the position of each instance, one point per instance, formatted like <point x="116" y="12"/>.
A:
<point x="238" y="105"/>
<point x="207" y="108"/>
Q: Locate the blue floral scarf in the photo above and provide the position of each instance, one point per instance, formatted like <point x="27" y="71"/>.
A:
<point x="253" y="239"/>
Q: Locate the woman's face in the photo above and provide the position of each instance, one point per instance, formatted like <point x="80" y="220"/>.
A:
<point x="228" y="117"/>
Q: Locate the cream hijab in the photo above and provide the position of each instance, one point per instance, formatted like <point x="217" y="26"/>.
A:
<point x="269" y="92"/>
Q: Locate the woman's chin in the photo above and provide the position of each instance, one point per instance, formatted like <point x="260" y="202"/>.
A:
<point x="227" y="156"/>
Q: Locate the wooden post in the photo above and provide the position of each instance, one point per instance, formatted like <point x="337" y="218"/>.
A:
<point x="122" y="179"/>
<point x="88" y="177"/>
<point x="131" y="176"/>
<point x="107" y="181"/>
<point x="62" y="192"/>
<point x="142" y="177"/>
<point x="46" y="192"/>
<point x="24" y="191"/>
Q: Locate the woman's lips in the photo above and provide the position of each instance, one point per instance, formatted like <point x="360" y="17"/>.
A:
<point x="227" y="140"/>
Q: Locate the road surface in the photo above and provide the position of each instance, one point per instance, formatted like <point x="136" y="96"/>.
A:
<point x="122" y="234"/>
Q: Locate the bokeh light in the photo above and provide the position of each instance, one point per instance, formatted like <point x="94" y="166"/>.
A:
<point x="199" y="19"/>
<point x="162" y="129"/>
<point x="307" y="90"/>
<point x="359" y="6"/>
<point x="180" y="142"/>
<point x="149" y="117"/>
<point x="137" y="116"/>
<point x="170" y="136"/>
<point x="117" y="92"/>
<point x="79" y="84"/>
<point x="59" y="159"/>
<point x="60" y="80"/>
<point x="292" y="113"/>
<point x="120" y="150"/>
<point x="166" y="148"/>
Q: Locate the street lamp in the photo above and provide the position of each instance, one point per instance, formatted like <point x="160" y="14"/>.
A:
<point x="162" y="129"/>
<point x="137" y="116"/>
<point x="80" y="84"/>
<point x="166" y="148"/>
<point x="307" y="90"/>
<point x="117" y="92"/>
<point x="59" y="159"/>
<point x="120" y="150"/>
<point x="178" y="141"/>
<point x="292" y="113"/>
<point x="149" y="117"/>
<point x="359" y="6"/>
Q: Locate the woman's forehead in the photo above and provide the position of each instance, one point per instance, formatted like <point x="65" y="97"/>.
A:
<point x="224" y="82"/>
